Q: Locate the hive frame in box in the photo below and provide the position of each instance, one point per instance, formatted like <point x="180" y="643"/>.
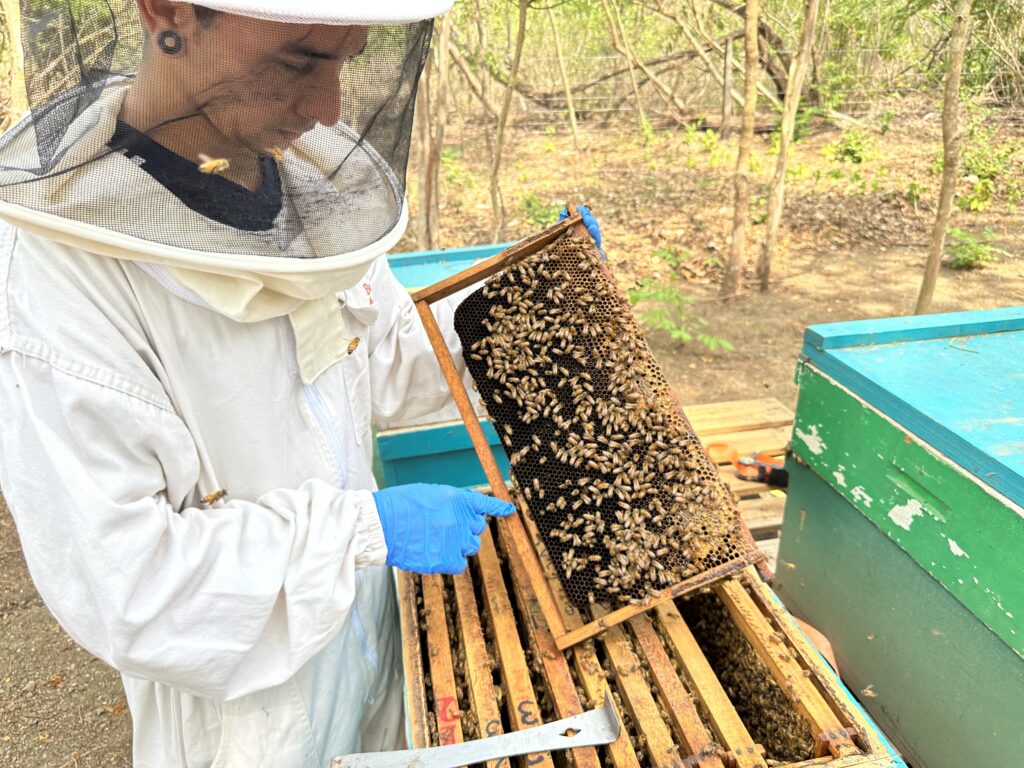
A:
<point x="682" y="735"/>
<point x="524" y="562"/>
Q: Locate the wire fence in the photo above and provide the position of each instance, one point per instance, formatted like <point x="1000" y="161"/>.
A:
<point x="612" y="93"/>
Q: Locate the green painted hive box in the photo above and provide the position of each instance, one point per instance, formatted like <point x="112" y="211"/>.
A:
<point x="903" y="537"/>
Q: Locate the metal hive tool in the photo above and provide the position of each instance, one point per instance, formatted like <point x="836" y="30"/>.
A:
<point x="643" y="517"/>
<point x="624" y="496"/>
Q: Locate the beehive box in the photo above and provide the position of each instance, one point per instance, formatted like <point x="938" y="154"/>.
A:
<point x="903" y="538"/>
<point x="721" y="679"/>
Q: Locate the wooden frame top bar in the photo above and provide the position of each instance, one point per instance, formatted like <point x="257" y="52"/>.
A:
<point x="495" y="264"/>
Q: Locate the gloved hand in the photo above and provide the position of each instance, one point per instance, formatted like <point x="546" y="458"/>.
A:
<point x="590" y="222"/>
<point x="434" y="528"/>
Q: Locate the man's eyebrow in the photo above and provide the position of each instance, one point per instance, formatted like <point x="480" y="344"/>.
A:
<point x="301" y="50"/>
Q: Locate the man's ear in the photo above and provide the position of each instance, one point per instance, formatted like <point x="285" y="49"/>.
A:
<point x="160" y="15"/>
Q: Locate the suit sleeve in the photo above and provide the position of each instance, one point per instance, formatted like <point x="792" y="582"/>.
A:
<point x="405" y="376"/>
<point x="219" y="601"/>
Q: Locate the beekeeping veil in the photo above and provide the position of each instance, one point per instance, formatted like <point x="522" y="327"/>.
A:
<point x="254" y="149"/>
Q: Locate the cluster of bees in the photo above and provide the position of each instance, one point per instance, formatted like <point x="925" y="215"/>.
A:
<point x="611" y="473"/>
<point x="766" y="710"/>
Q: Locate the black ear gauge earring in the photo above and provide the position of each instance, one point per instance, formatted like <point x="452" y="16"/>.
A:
<point x="169" y="41"/>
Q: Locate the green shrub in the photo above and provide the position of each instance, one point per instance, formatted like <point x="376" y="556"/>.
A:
<point x="539" y="213"/>
<point x="668" y="308"/>
<point x="972" y="251"/>
<point x="854" y="146"/>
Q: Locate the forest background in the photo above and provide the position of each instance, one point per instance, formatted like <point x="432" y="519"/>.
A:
<point x="637" y="108"/>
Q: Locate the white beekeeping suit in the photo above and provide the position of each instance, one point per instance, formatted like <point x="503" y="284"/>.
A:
<point x="187" y="390"/>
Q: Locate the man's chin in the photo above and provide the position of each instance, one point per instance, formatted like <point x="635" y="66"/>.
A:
<point x="284" y="139"/>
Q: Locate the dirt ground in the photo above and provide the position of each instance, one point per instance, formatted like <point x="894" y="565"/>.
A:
<point x="852" y="246"/>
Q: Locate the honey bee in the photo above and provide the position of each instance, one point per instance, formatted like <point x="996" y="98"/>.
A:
<point x="277" y="153"/>
<point x="216" y="496"/>
<point x="213" y="164"/>
<point x="353" y="344"/>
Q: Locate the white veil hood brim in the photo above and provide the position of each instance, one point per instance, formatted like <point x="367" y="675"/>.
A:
<point x="242" y="287"/>
<point x="333" y="12"/>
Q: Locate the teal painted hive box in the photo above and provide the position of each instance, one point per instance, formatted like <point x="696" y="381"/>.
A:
<point x="435" y="451"/>
<point x="903" y="537"/>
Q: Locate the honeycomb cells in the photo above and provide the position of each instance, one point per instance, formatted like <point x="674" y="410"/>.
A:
<point x="623" y="494"/>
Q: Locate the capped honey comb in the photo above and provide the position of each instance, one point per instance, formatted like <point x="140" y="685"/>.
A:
<point x="623" y="494"/>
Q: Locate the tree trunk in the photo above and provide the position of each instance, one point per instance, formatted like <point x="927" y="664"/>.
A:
<point x="794" y="87"/>
<point x="773" y="43"/>
<point x="431" y="118"/>
<point x="726" y="127"/>
<point x="950" y="150"/>
<point x="566" y="85"/>
<point x="741" y="179"/>
<point x="421" y="136"/>
<point x="499" y="142"/>
<point x="16" y="82"/>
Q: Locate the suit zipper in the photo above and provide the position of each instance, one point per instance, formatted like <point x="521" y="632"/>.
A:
<point x="322" y="415"/>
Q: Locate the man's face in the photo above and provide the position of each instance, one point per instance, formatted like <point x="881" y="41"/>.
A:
<point x="263" y="84"/>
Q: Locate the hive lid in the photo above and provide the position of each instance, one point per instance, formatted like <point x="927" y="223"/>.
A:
<point x="955" y="380"/>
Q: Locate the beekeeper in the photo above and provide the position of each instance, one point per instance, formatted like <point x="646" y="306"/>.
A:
<point x="197" y="327"/>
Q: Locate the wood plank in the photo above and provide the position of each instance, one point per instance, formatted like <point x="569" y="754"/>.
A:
<point x="439" y="654"/>
<point x="686" y="719"/>
<point x="763" y="514"/>
<point x="726" y="724"/>
<point x="830" y="734"/>
<point x="520" y="700"/>
<point x="739" y="486"/>
<point x="709" y="419"/>
<point x="770" y="547"/>
<point x="636" y="696"/>
<point x="412" y="661"/>
<point x="482" y="696"/>
<point x="772" y="440"/>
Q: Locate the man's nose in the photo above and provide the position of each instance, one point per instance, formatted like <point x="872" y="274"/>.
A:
<point x="321" y="100"/>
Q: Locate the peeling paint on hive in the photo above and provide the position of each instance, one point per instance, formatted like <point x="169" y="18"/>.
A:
<point x="903" y="514"/>
<point x="955" y="549"/>
<point x="859" y="494"/>
<point x="811" y="439"/>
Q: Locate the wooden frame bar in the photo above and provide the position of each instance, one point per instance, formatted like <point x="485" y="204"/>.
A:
<point x="731" y="732"/>
<point x="412" y="662"/>
<point x="478" y="660"/>
<point x="830" y="734"/>
<point x="520" y="700"/>
<point x="442" y="672"/>
<point x="684" y="714"/>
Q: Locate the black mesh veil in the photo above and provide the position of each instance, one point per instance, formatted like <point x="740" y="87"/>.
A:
<point x="216" y="132"/>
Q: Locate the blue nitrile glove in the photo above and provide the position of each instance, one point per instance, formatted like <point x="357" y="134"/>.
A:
<point x="434" y="528"/>
<point x="589" y="221"/>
